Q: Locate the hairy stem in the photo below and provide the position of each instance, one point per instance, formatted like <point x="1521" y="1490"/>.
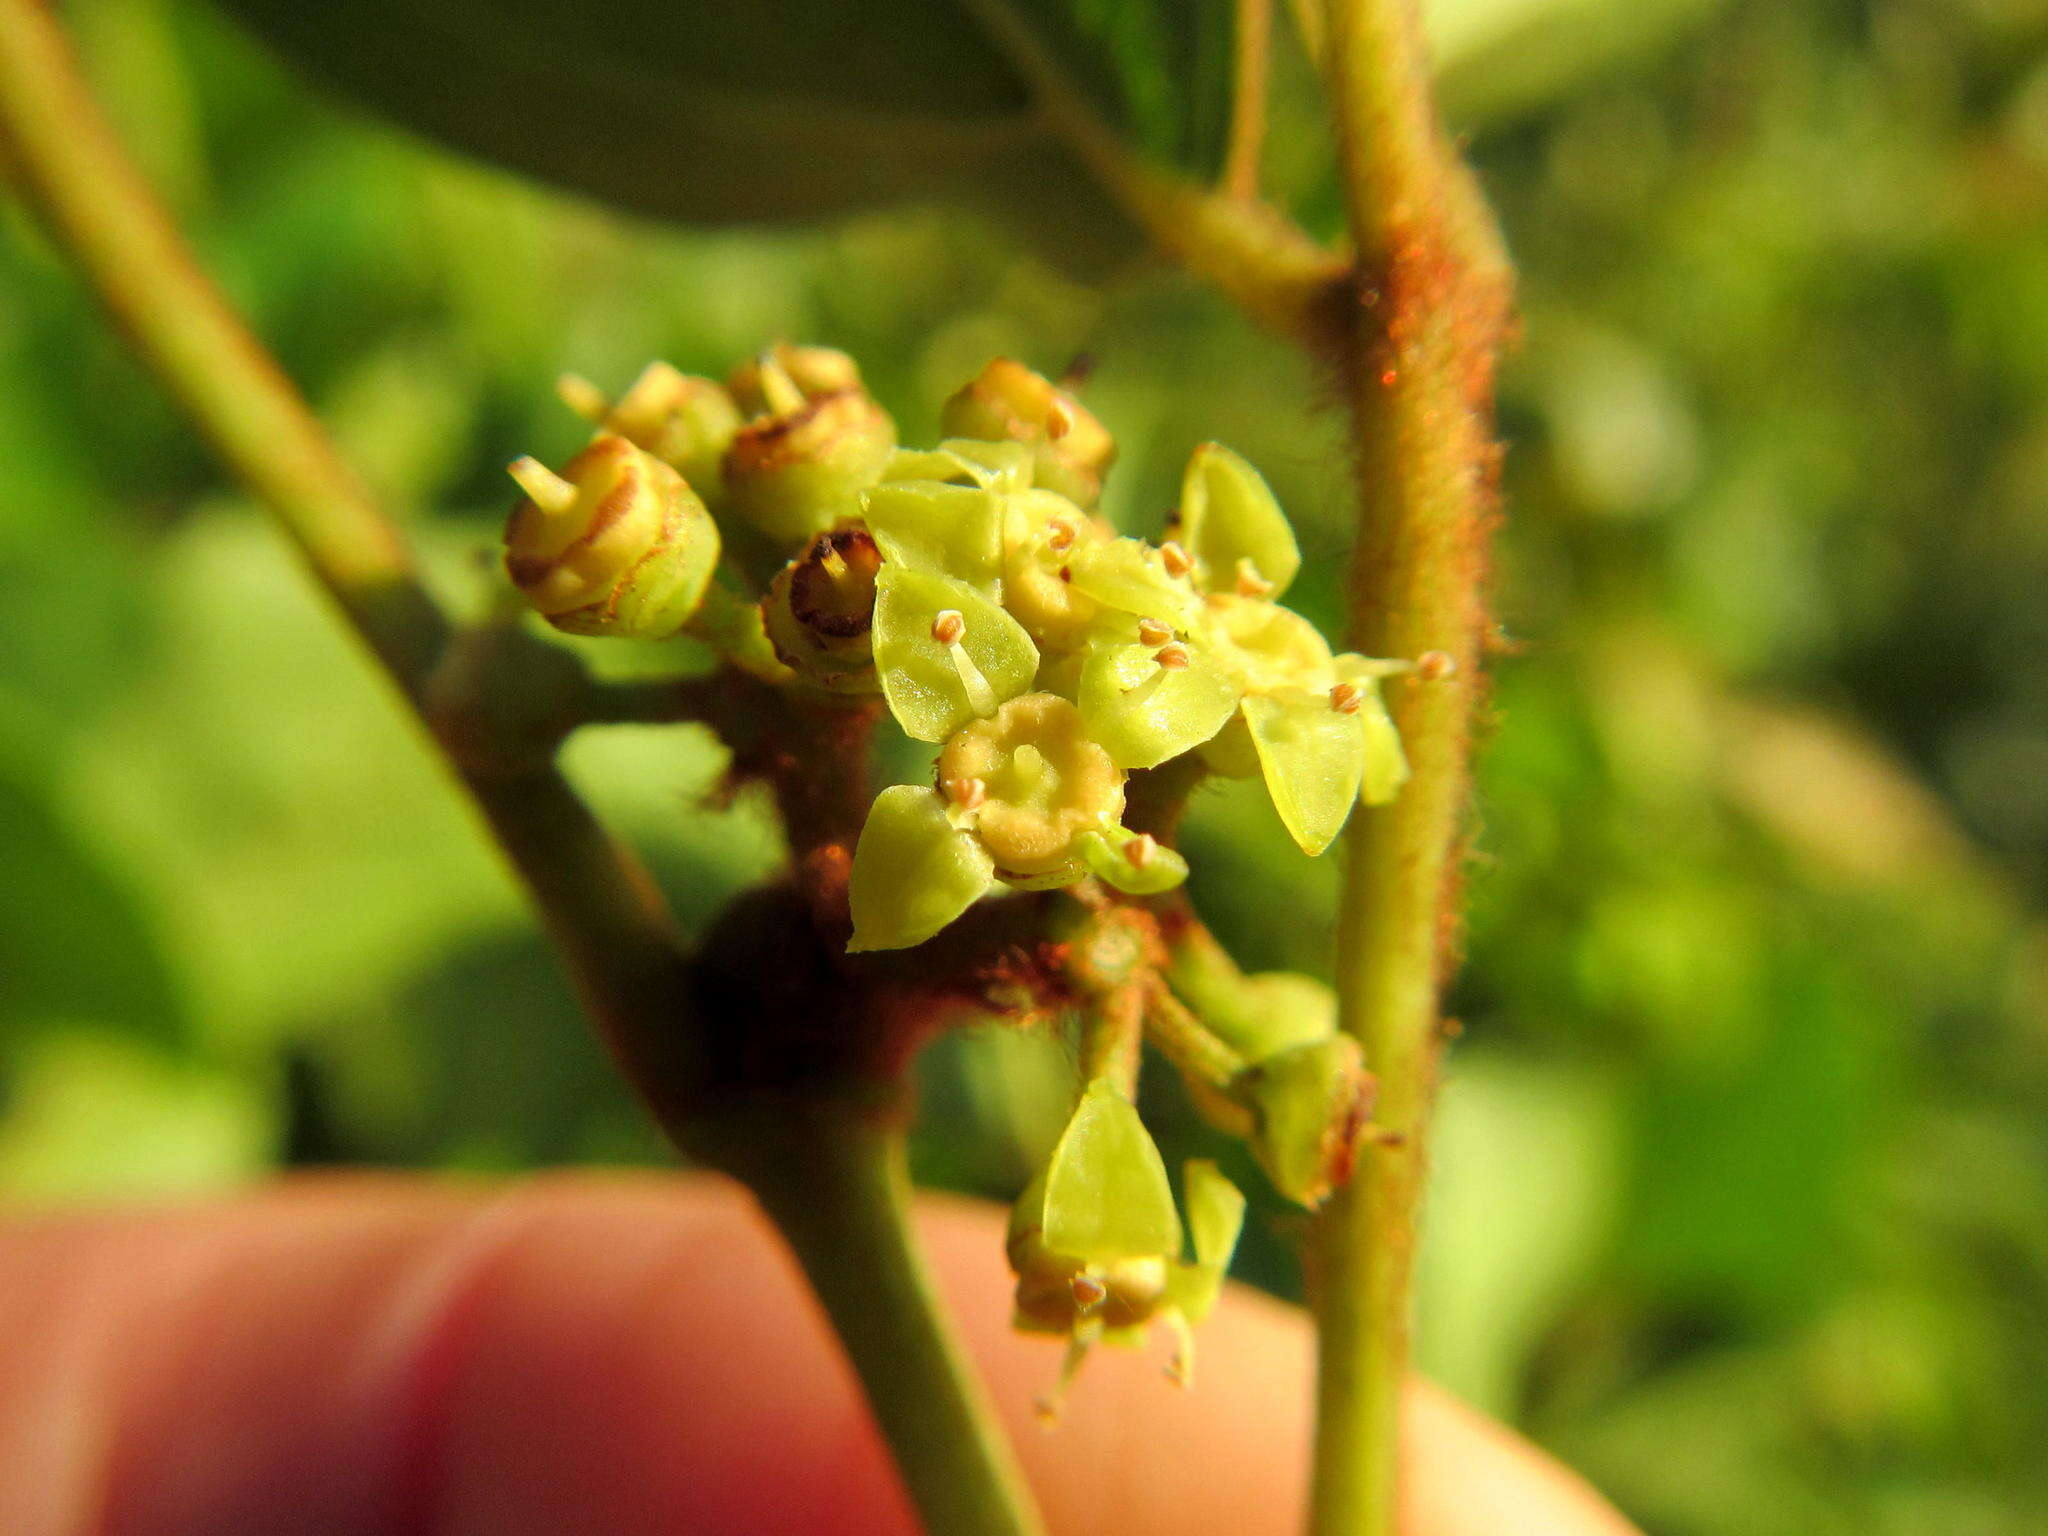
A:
<point x="1416" y="352"/>
<point x="835" y="1183"/>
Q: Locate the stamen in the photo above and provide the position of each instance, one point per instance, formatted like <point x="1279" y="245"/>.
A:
<point x="833" y="562"/>
<point x="1345" y="699"/>
<point x="1249" y="582"/>
<point x="1140" y="850"/>
<point x="1059" y="421"/>
<point x="1060" y="536"/>
<point x="1154" y="633"/>
<point x="544" y="488"/>
<point x="1435" y="666"/>
<point x="1175" y="558"/>
<point x="969" y="794"/>
<point x="583" y="397"/>
<point x="1089" y="1292"/>
<point x="1171" y="658"/>
<point x="949" y="628"/>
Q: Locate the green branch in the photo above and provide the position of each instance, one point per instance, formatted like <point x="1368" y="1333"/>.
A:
<point x="597" y="903"/>
<point x="832" y="1179"/>
<point x="1250" y="251"/>
<point x="835" y="1182"/>
<point x="1417" y="353"/>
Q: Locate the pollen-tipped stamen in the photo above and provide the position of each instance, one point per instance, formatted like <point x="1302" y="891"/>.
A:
<point x="949" y="628"/>
<point x="1250" y="583"/>
<point x="1170" y="658"/>
<point x="1175" y="558"/>
<point x="1345" y="698"/>
<point x="1154" y="632"/>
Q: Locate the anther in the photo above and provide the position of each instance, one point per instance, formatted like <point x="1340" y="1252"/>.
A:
<point x="1435" y="666"/>
<point x="1059" y="421"/>
<point x="1173" y="658"/>
<point x="1089" y="1292"/>
<point x="1249" y="582"/>
<point x="1140" y="849"/>
<point x="968" y="794"/>
<point x="1175" y="558"/>
<point x="1060" y="536"/>
<point x="833" y="562"/>
<point x="1154" y="633"/>
<point x="544" y="488"/>
<point x="1345" y="698"/>
<point x="948" y="628"/>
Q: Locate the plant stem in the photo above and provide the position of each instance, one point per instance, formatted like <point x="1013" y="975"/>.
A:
<point x="1417" y="358"/>
<point x="1251" y="64"/>
<point x="834" y="1181"/>
<point x="1255" y="255"/>
<point x="599" y="906"/>
<point x="97" y="205"/>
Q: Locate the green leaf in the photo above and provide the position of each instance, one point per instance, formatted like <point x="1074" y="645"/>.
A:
<point x="1312" y="756"/>
<point x="953" y="529"/>
<point x="929" y="692"/>
<point x="913" y="871"/>
<point x="1106" y="1192"/>
<point x="1143" y="713"/>
<point x="719" y="111"/>
<point x="1228" y="515"/>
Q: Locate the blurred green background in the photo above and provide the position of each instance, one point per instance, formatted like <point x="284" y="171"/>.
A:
<point x="1741" y="1199"/>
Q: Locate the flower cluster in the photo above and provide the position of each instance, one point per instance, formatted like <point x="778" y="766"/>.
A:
<point x="975" y="589"/>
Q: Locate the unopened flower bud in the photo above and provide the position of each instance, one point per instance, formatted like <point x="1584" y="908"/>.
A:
<point x="793" y="474"/>
<point x="779" y="380"/>
<point x="1309" y="1103"/>
<point x="1070" y="448"/>
<point x="617" y="544"/>
<point x="820" y="610"/>
<point x="686" y="422"/>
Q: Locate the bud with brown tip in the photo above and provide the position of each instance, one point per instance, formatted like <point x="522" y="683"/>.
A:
<point x="1006" y="401"/>
<point x="616" y="544"/>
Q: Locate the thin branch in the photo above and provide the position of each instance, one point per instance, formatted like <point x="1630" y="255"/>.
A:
<point x="1254" y="254"/>
<point x="597" y="903"/>
<point x="836" y="1185"/>
<point x="1251" y="68"/>
<point x="1430" y="306"/>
